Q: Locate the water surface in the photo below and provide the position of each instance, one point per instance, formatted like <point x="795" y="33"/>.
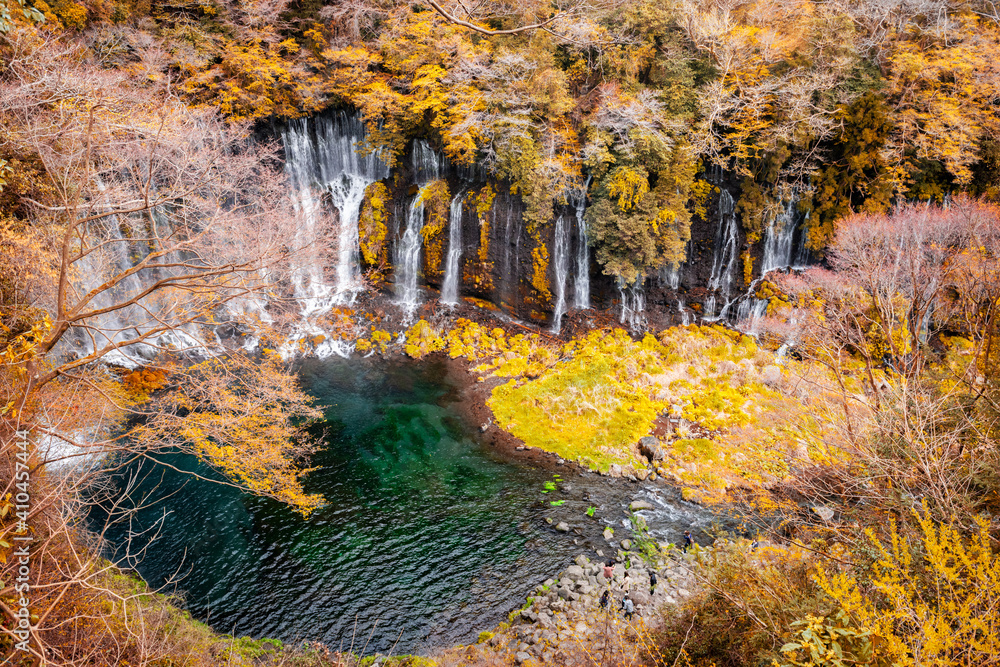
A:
<point x="426" y="532"/>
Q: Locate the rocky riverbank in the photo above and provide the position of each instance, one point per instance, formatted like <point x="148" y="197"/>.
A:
<point x="564" y="623"/>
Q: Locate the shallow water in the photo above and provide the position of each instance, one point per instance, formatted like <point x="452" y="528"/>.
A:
<point x="426" y="531"/>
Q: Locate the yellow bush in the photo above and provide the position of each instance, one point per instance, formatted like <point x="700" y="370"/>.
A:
<point x="929" y="603"/>
<point x="421" y="340"/>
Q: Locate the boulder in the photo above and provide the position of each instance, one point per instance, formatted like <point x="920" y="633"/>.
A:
<point x="637" y="505"/>
<point x="615" y="470"/>
<point x="582" y="560"/>
<point x="651" y="449"/>
<point x="626" y="544"/>
<point x="522" y="657"/>
<point x="562" y="527"/>
<point x="641" y="474"/>
<point x="529" y="615"/>
<point x="574" y="572"/>
<point x="640" y="596"/>
<point x="608" y="534"/>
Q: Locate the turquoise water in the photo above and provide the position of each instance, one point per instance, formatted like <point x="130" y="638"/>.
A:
<point x="428" y="538"/>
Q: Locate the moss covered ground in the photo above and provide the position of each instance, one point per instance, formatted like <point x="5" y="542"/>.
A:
<point x="729" y="412"/>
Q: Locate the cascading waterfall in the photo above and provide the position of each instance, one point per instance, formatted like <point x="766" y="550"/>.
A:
<point x="320" y="156"/>
<point x="633" y="298"/>
<point x="113" y="247"/>
<point x="408" y="260"/>
<point x="780" y="237"/>
<point x="749" y="313"/>
<point x="724" y="257"/>
<point x="685" y="315"/>
<point x="560" y="264"/>
<point x="426" y="168"/>
<point x="449" y="289"/>
<point x="581" y="286"/>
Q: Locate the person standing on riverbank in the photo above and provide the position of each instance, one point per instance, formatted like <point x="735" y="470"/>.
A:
<point x="628" y="606"/>
<point x="688" y="540"/>
<point x="609" y="571"/>
<point x="652" y="582"/>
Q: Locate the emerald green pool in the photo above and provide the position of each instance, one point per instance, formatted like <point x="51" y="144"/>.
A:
<point x="428" y="537"/>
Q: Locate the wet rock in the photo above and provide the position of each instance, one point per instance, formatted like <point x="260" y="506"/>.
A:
<point x="640" y="505"/>
<point x="641" y="474"/>
<point x="626" y="544"/>
<point x="651" y="449"/>
<point x="562" y="527"/>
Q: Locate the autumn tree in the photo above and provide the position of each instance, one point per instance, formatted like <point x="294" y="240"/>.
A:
<point x="153" y="227"/>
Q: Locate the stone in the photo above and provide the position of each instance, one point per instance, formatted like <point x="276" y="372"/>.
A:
<point x="683" y="592"/>
<point x="485" y="426"/>
<point x="580" y="628"/>
<point x="574" y="572"/>
<point x="626" y="544"/>
<point x="639" y="596"/>
<point x="529" y="616"/>
<point x="640" y="505"/>
<point x="641" y="474"/>
<point x="562" y="527"/>
<point x="608" y="534"/>
<point x="650" y="448"/>
<point x="615" y="470"/>
<point x="522" y="657"/>
<point x="582" y="560"/>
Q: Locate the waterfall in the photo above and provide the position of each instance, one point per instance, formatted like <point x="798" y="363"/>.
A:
<point x="581" y="286"/>
<point x="674" y="277"/>
<point x="320" y="156"/>
<point x="633" y="304"/>
<point x="560" y="264"/>
<point x="112" y="248"/>
<point x="685" y="315"/>
<point x="449" y="289"/>
<point x="408" y="258"/>
<point x="426" y="166"/>
<point x="726" y="252"/>
<point x="749" y="313"/>
<point x="779" y="238"/>
<point x="509" y="275"/>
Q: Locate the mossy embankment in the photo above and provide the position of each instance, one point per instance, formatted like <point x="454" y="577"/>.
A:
<point x="728" y="412"/>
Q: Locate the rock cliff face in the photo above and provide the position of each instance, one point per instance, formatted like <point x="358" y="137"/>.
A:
<point x="450" y="232"/>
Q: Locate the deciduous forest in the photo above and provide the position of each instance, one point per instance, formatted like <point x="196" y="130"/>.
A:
<point x="721" y="267"/>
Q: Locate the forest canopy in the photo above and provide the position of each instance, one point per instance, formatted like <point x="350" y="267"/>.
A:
<point x="858" y="105"/>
